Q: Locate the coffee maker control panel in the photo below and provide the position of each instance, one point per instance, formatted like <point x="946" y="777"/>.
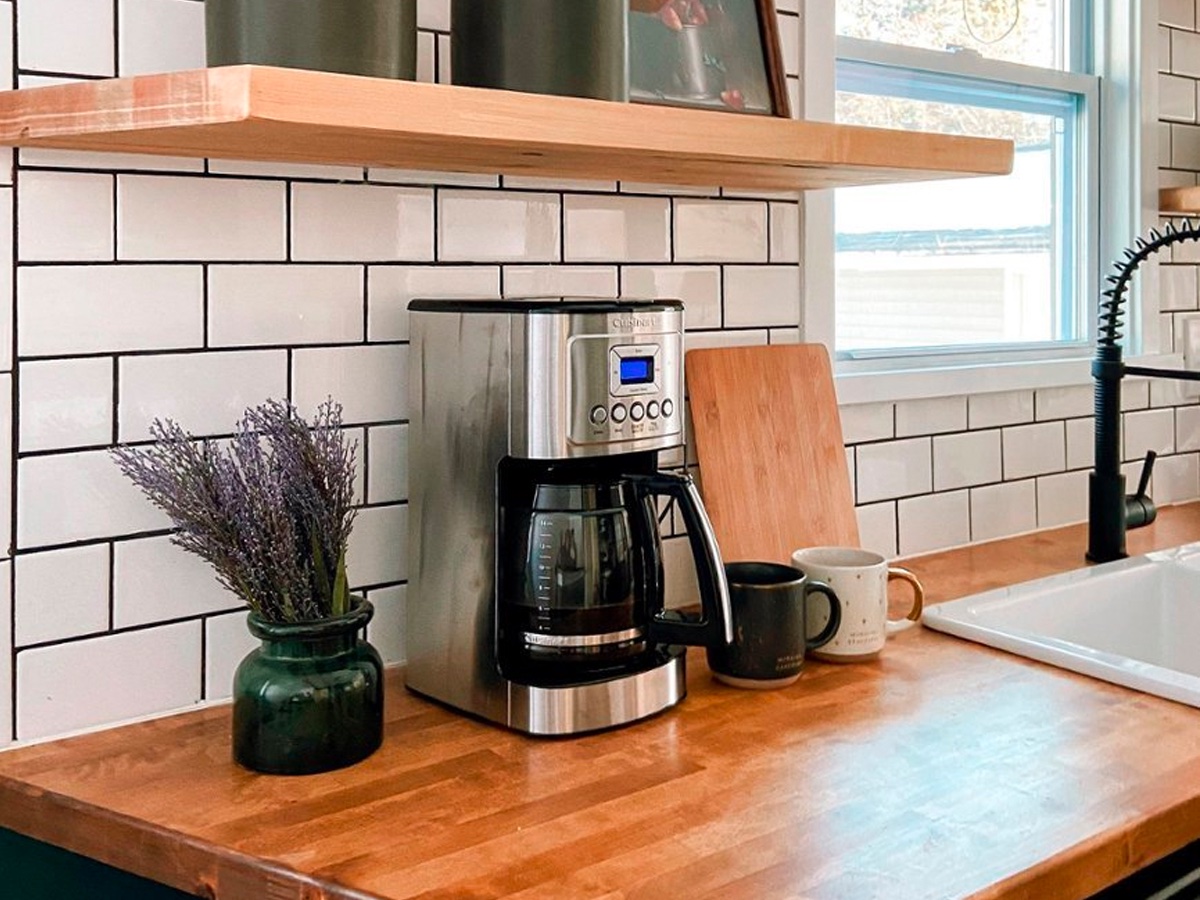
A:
<point x="626" y="388"/>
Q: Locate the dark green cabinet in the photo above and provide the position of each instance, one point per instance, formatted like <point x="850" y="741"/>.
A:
<point x="31" y="870"/>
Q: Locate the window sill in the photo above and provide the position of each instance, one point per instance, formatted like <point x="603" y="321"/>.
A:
<point x="956" y="381"/>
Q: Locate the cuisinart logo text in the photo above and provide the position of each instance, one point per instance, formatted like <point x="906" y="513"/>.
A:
<point x="631" y="322"/>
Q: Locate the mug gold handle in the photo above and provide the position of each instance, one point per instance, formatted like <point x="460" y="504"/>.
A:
<point x="914" y="614"/>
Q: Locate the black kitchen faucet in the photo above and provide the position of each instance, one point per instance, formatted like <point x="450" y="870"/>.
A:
<point x="1110" y="511"/>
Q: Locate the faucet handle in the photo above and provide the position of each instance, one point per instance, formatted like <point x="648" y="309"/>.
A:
<point x="1139" y="508"/>
<point x="1147" y="470"/>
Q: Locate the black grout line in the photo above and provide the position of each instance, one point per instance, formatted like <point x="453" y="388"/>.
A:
<point x="13" y="425"/>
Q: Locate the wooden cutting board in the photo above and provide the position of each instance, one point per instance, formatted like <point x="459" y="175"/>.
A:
<point x="769" y="441"/>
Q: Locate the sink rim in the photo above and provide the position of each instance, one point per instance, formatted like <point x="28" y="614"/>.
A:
<point x="959" y="619"/>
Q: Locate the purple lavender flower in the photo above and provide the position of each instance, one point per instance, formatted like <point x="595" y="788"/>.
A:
<point x="271" y="511"/>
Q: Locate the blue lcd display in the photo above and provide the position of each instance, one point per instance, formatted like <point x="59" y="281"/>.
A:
<point x="637" y="370"/>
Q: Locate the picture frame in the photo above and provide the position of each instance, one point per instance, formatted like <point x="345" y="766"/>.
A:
<point x="707" y="54"/>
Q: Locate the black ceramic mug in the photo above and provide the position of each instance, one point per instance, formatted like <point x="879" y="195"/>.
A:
<point x="770" y="608"/>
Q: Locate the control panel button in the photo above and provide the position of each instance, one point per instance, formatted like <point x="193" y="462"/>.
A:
<point x="599" y="415"/>
<point x="668" y="407"/>
<point x="619" y="413"/>
<point x="637" y="412"/>
<point x="652" y="409"/>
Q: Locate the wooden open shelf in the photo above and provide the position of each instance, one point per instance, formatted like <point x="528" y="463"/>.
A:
<point x="1181" y="201"/>
<point x="289" y="115"/>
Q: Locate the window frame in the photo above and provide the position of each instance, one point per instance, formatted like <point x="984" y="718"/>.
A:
<point x="1122" y="51"/>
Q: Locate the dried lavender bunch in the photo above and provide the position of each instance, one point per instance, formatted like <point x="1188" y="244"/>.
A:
<point x="271" y="512"/>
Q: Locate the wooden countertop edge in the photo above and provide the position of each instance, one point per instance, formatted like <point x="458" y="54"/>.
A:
<point x="183" y="862"/>
<point x="1082" y="870"/>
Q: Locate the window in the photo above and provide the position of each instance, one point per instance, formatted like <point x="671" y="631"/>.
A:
<point x="1006" y="267"/>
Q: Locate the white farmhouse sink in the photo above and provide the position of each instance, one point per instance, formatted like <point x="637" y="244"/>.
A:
<point x="1135" y="622"/>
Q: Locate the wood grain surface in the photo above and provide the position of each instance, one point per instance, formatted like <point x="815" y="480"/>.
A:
<point x="768" y="438"/>
<point x="943" y="770"/>
<point x="1182" y="201"/>
<point x="289" y="115"/>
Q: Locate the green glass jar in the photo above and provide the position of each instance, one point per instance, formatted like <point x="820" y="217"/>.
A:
<point x="310" y="699"/>
<point x="578" y="48"/>
<point x="356" y="37"/>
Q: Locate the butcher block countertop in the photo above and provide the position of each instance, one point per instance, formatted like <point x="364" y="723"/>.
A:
<point x="945" y="770"/>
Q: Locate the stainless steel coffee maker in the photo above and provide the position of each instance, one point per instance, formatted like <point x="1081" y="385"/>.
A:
<point x="535" y="594"/>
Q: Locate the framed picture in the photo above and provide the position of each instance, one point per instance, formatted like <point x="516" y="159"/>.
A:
<point x="711" y="54"/>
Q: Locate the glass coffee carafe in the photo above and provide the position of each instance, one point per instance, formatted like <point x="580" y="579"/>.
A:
<point x="581" y="572"/>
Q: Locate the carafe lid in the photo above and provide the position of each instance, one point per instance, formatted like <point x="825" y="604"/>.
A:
<point x="581" y="497"/>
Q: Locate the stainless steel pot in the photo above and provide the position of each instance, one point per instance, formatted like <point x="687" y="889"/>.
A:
<point x="357" y="37"/>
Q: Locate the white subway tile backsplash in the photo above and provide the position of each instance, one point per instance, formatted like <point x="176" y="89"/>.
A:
<point x="1062" y="499"/>
<point x="366" y="223"/>
<point x="1177" y="13"/>
<point x="680" y="586"/>
<point x="1176" y="479"/>
<point x="1034" y="450"/>
<point x="387" y="629"/>
<point x="699" y="287"/>
<point x="785" y="232"/>
<point x="391" y="288"/>
<point x="1002" y="510"/>
<point x="371" y="382"/>
<point x="625" y="229"/>
<point x="227" y="642"/>
<point x="757" y="296"/>
<point x="1001" y="408"/>
<point x="160" y="36"/>
<point x="561" y="281"/>
<point x="720" y="231"/>
<point x="1187" y="429"/>
<point x="128" y="675"/>
<point x="1177" y="284"/>
<point x="1064" y="402"/>
<point x="52" y="200"/>
<point x="498" y="226"/>
<point x="68" y="36"/>
<point x="388" y="461"/>
<point x="206" y="393"/>
<point x="82" y="159"/>
<point x="863" y="422"/>
<point x="936" y="415"/>
<point x="433" y="14"/>
<point x="1081" y="443"/>
<point x="963" y="460"/>
<point x="1176" y="98"/>
<point x="155" y="581"/>
<point x="184" y="218"/>
<point x="294" y="304"/>
<point x="1185" y="56"/>
<point x="1150" y="430"/>
<point x="61" y="594"/>
<point x="877" y="528"/>
<point x="66" y="403"/>
<point x="933" y="522"/>
<point x="77" y="497"/>
<point x="6" y="282"/>
<point x="308" y="171"/>
<point x="378" y="552"/>
<point x="895" y="469"/>
<point x="422" y="178"/>
<point x="1185" y="148"/>
<point x="538" y="183"/>
<point x="110" y="308"/>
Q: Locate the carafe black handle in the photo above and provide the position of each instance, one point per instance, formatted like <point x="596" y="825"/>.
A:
<point x="715" y="623"/>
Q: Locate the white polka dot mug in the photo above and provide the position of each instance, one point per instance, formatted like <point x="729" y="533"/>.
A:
<point x="860" y="579"/>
